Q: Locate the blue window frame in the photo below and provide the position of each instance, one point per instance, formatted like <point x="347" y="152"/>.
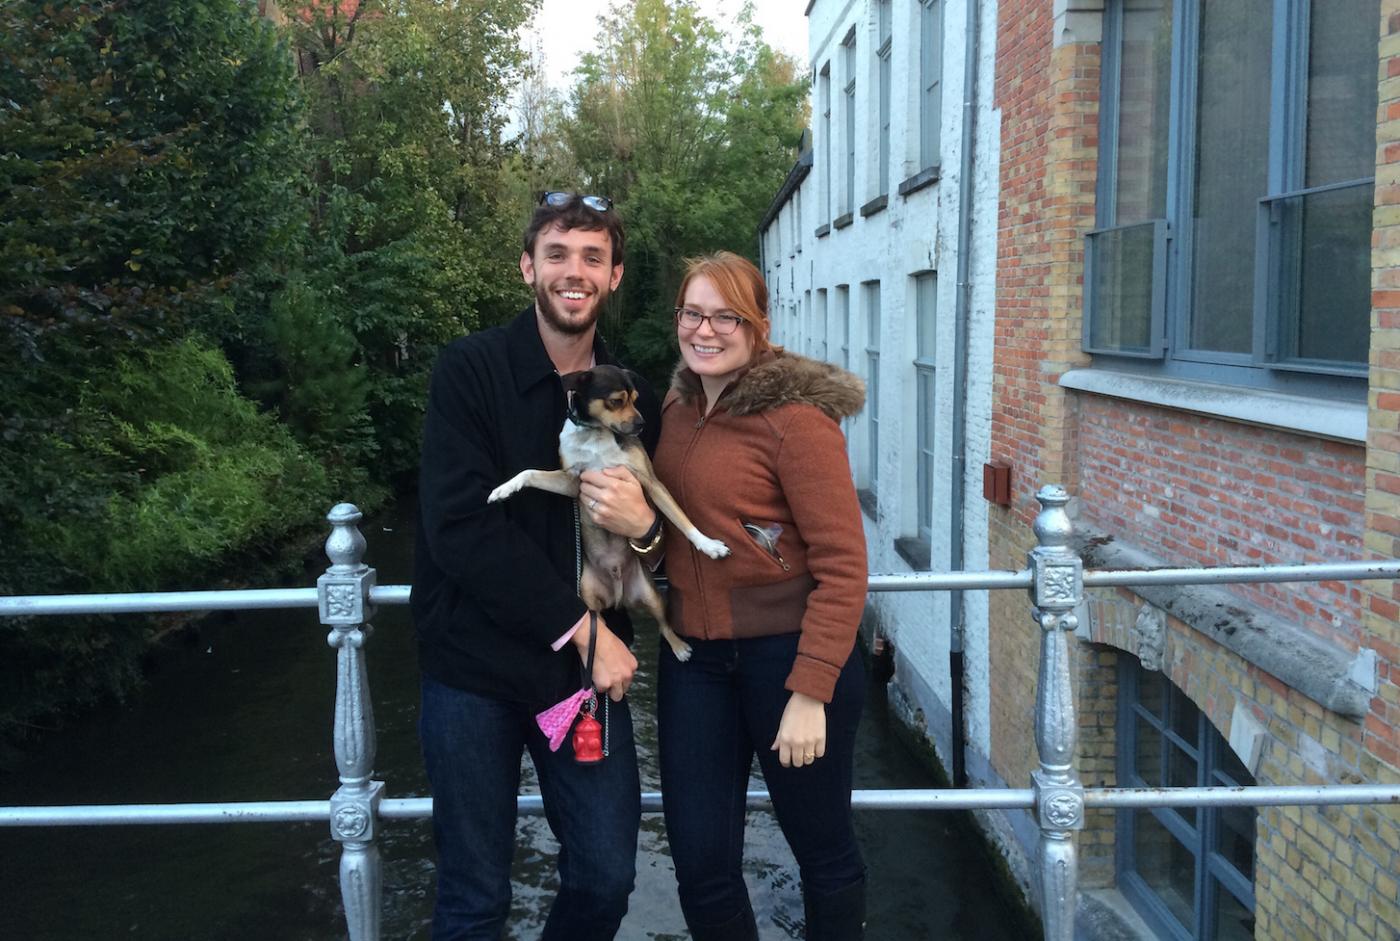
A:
<point x="872" y="384"/>
<point x="1188" y="871"/>
<point x="824" y="88"/>
<point x="925" y="377"/>
<point x="930" y="80"/>
<point x="848" y="56"/>
<point x="886" y="33"/>
<point x="1236" y="178"/>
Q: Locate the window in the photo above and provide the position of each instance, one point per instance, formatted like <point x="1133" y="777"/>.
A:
<point x="843" y="322"/>
<point x="872" y="385"/>
<point x="848" y="55"/>
<point x="819" y="349"/>
<point x="1236" y="247"/>
<point x="1188" y="871"/>
<point x="824" y="82"/>
<point x="925" y="371"/>
<point x="930" y="80"/>
<point x="797" y="219"/>
<point x="883" y="54"/>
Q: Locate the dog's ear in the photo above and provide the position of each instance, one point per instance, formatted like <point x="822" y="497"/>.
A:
<point x="633" y="379"/>
<point x="576" y="381"/>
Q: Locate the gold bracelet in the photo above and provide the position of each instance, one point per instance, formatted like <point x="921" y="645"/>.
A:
<point x="651" y="546"/>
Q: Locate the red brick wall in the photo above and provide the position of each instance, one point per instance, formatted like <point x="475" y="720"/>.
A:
<point x="1201" y="491"/>
<point x="1048" y="97"/>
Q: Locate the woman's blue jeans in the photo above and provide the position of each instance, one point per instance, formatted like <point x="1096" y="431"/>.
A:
<point x="715" y="712"/>
<point x="472" y="747"/>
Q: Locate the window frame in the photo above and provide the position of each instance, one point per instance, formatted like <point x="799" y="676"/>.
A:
<point x="871" y="291"/>
<point x="1266" y="364"/>
<point x="884" y="55"/>
<point x="824" y="90"/>
<point x="925" y="399"/>
<point x="1199" y="838"/>
<point x="930" y="82"/>
<point x="848" y="91"/>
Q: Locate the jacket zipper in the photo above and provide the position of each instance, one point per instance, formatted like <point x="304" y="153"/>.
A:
<point x="695" y="553"/>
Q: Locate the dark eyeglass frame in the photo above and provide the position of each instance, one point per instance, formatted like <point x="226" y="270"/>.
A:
<point x="715" y="323"/>
<point x="559" y="199"/>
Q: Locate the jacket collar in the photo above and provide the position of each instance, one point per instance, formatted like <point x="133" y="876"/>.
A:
<point x="529" y="360"/>
<point x="780" y="378"/>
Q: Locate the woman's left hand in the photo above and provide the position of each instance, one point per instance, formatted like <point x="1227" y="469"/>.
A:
<point x="802" y="732"/>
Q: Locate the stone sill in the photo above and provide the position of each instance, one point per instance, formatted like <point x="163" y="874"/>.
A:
<point x="841" y="221"/>
<point x="875" y="205"/>
<point x="914" y="551"/>
<point x="822" y="230"/>
<point x="925" y="177"/>
<point x="1320" y="669"/>
<point x="1301" y="414"/>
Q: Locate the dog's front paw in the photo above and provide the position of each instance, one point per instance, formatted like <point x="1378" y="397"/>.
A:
<point x="682" y="650"/>
<point x="507" y="489"/>
<point x="711" y="547"/>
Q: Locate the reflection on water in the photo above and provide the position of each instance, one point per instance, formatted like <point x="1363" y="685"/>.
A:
<point x="245" y="714"/>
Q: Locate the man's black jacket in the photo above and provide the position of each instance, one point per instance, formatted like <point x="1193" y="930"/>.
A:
<point x="494" y="585"/>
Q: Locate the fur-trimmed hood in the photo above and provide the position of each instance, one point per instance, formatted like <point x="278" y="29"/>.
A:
<point x="782" y="378"/>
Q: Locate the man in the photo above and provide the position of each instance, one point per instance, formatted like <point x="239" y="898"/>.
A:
<point x="501" y="629"/>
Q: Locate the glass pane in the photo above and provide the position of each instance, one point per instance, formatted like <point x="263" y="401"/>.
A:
<point x="1235" y="839"/>
<point x="1144" y="99"/>
<point x="1342" y="90"/>
<point x="1148" y="754"/>
<point x="1152" y="692"/>
<point x="1232" y="149"/>
<point x="1229" y="770"/>
<point x="1181" y="773"/>
<point x="1325" y="240"/>
<point x="925" y="436"/>
<point x="1122" y="289"/>
<point x="1185" y="718"/>
<point x="1166" y="866"/>
<point x="1233" y="922"/>
<point x="926" y="301"/>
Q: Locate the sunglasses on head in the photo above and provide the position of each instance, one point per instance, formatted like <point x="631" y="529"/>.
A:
<point x="559" y="200"/>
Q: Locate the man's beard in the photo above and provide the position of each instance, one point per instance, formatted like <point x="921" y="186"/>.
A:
<point x="561" y="322"/>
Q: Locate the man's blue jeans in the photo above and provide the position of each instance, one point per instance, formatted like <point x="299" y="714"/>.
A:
<point x="472" y="747"/>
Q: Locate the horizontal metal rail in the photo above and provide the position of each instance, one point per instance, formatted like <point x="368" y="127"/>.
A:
<point x="421" y="808"/>
<point x="386" y="595"/>
<point x="346" y="596"/>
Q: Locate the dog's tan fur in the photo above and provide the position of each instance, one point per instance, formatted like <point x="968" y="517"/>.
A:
<point x="602" y="434"/>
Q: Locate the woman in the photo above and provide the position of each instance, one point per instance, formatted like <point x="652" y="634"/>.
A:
<point x="752" y="449"/>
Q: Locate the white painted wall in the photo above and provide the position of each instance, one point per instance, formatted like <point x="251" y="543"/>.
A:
<point x="911" y="235"/>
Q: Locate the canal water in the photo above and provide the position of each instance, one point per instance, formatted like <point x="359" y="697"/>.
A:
<point x="242" y="711"/>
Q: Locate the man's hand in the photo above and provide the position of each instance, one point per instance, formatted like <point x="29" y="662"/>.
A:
<point x="802" y="732"/>
<point x="613" y="663"/>
<point x="615" y="501"/>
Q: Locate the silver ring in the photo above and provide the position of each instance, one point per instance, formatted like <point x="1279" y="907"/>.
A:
<point x="592" y="505"/>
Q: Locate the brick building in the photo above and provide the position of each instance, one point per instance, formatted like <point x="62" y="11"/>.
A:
<point x="1193" y="323"/>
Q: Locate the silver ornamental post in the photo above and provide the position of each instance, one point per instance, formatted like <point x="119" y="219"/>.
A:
<point x="343" y="595"/>
<point x="1056" y="590"/>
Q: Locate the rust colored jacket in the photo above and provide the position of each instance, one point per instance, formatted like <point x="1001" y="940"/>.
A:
<point x="771" y="454"/>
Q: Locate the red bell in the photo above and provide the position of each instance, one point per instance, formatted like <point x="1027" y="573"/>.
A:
<point x="588" y="740"/>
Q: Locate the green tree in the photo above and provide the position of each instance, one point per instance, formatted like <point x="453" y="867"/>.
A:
<point x="406" y="112"/>
<point x="692" y="133"/>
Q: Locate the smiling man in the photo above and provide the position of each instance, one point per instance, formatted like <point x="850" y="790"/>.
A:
<point x="501" y="630"/>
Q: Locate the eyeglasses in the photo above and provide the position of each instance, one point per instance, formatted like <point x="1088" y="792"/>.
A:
<point x="559" y="200"/>
<point x="724" y="323"/>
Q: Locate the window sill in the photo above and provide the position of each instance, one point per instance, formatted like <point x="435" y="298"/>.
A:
<point x="914" y="551"/>
<point x="1310" y="415"/>
<point x="875" y="205"/>
<point x="869" y="504"/>
<point x="822" y="230"/>
<point x="1326" y="673"/>
<point x="925" y="177"/>
<point x="841" y="221"/>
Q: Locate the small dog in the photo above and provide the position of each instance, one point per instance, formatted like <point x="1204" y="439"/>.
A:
<point x="600" y="431"/>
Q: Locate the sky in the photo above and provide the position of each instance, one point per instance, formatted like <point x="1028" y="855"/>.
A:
<point x="566" y="28"/>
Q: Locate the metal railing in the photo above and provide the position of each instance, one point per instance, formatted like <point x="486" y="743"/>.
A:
<point x="347" y="594"/>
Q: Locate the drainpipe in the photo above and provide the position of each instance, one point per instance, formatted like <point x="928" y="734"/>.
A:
<point x="960" y="344"/>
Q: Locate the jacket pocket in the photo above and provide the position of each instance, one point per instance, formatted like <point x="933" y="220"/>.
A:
<point x="774" y="608"/>
<point x="766" y="536"/>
